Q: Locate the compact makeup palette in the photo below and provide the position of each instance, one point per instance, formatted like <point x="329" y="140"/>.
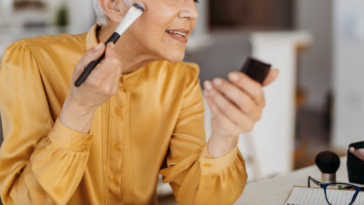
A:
<point x="256" y="69"/>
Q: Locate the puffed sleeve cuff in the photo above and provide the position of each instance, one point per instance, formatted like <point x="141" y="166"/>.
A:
<point x="69" y="139"/>
<point x="210" y="165"/>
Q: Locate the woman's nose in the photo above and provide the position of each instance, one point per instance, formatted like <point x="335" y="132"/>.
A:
<point x="189" y="10"/>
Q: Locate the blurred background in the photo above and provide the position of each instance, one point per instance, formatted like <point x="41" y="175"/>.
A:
<point x="317" y="103"/>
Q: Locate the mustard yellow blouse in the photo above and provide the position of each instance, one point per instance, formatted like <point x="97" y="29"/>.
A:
<point x="154" y="124"/>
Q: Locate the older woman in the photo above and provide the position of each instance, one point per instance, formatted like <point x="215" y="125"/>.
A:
<point x="139" y="113"/>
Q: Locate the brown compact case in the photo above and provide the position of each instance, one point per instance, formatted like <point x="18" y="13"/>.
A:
<point x="256" y="69"/>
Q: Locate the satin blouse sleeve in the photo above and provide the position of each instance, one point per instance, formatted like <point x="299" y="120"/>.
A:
<point x="41" y="161"/>
<point x="195" y="177"/>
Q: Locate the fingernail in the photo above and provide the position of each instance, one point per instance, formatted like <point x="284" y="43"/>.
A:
<point x="234" y="77"/>
<point x="112" y="44"/>
<point x="98" y="46"/>
<point x="352" y="150"/>
<point x="217" y="82"/>
<point x="207" y="85"/>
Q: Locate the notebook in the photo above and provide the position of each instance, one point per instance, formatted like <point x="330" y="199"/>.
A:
<point x="316" y="196"/>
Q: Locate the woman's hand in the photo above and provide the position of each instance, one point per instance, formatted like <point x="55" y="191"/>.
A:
<point x="102" y="83"/>
<point x="236" y="106"/>
<point x="358" y="152"/>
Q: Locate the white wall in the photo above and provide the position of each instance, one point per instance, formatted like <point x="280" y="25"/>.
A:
<point x="348" y="73"/>
<point x="82" y="16"/>
<point x="5" y="9"/>
<point x="315" y="64"/>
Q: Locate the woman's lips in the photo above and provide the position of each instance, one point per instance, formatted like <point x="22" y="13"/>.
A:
<point x="178" y="34"/>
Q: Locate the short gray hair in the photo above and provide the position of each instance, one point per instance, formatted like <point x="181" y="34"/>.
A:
<point x="101" y="18"/>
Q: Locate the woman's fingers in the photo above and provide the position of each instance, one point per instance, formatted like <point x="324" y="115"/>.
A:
<point x="240" y="102"/>
<point x="109" y="65"/>
<point x="103" y="81"/>
<point x="102" y="78"/>
<point x="248" y="85"/>
<point x="272" y="75"/>
<point x="244" y="122"/>
<point x="220" y="122"/>
<point x="241" y="99"/>
<point x="352" y="150"/>
<point x="358" y="152"/>
<point x="101" y="84"/>
<point x="91" y="55"/>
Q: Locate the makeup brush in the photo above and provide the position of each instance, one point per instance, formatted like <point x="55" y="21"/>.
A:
<point x="328" y="162"/>
<point x="133" y="14"/>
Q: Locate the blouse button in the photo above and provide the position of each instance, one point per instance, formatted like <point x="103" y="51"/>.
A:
<point x="115" y="181"/>
<point x="117" y="111"/>
<point x="207" y="165"/>
<point x="116" y="147"/>
<point x="88" y="142"/>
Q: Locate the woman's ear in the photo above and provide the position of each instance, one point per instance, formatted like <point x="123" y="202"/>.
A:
<point x="113" y="9"/>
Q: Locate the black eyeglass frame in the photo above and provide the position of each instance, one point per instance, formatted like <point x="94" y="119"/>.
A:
<point x="356" y="187"/>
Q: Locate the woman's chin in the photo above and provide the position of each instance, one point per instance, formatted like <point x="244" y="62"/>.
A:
<point x="175" y="57"/>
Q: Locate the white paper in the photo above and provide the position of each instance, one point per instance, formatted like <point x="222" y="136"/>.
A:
<point x="313" y="196"/>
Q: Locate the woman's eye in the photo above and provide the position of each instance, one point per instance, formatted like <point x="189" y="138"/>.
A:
<point x="196" y="1"/>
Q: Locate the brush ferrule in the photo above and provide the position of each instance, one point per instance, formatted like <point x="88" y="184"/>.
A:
<point x="328" y="178"/>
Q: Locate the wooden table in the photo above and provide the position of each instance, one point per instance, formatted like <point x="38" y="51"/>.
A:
<point x="275" y="191"/>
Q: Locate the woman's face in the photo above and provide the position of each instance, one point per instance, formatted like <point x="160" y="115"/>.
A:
<point x="162" y="31"/>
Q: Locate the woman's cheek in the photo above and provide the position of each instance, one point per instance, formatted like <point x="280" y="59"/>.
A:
<point x="154" y="20"/>
<point x="193" y="24"/>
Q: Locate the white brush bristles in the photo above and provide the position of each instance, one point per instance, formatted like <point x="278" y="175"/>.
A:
<point x="133" y="14"/>
<point x="140" y="6"/>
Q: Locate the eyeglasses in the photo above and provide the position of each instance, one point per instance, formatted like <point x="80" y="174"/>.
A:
<point x="332" y="198"/>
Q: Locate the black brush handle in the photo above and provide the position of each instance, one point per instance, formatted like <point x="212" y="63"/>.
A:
<point x="113" y="38"/>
